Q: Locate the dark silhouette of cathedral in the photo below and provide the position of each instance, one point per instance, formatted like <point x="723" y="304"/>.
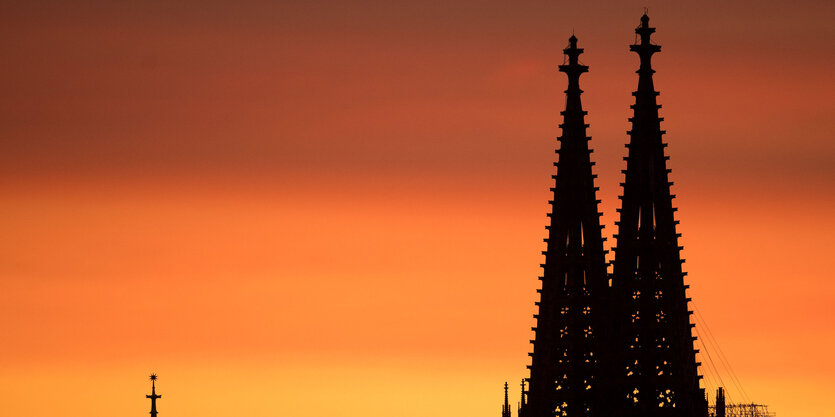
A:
<point x="564" y="362"/>
<point x="653" y="370"/>
<point x="619" y="344"/>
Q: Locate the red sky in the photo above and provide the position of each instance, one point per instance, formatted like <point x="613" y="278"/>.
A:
<point x="338" y="208"/>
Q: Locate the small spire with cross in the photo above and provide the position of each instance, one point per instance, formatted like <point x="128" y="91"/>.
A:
<point x="153" y="396"/>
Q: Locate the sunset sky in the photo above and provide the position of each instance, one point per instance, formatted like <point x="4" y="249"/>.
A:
<point x="336" y="208"/>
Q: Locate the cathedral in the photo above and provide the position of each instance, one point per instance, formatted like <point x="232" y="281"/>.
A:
<point x="616" y="343"/>
<point x="619" y="343"/>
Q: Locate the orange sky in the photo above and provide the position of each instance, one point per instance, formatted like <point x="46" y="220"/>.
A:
<point x="338" y="209"/>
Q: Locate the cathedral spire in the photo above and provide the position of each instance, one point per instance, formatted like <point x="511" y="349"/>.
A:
<point x="153" y="396"/>
<point x="654" y="369"/>
<point x="563" y="379"/>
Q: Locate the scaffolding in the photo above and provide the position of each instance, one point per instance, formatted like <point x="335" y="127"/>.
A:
<point x="742" y="410"/>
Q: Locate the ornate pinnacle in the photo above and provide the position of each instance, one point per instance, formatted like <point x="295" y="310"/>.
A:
<point x="506" y="405"/>
<point x="505" y="393"/>
<point x="573" y="69"/>
<point x="153" y="397"/>
<point x="645" y="49"/>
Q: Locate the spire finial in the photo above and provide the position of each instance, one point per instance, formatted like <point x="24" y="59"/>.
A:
<point x="505" y="392"/>
<point x="645" y="48"/>
<point x="644" y="30"/>
<point x="573" y="69"/>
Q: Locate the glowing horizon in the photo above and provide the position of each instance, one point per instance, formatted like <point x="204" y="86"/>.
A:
<point x="309" y="209"/>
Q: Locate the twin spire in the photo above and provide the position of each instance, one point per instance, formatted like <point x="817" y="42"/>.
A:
<point x="650" y="317"/>
<point x="565" y="363"/>
<point x="615" y="344"/>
